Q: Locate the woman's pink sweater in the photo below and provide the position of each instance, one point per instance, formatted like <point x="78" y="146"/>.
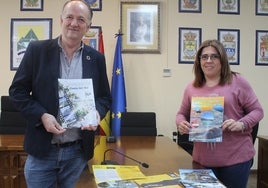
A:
<point x="240" y="104"/>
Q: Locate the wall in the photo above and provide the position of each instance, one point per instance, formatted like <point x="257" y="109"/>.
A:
<point x="146" y="88"/>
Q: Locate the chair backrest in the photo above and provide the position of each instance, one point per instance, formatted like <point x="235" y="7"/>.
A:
<point x="183" y="141"/>
<point x="138" y="124"/>
<point x="254" y="132"/>
<point x="11" y="120"/>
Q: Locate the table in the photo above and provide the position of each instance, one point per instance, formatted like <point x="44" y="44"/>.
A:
<point x="262" y="171"/>
<point x="12" y="159"/>
<point x="160" y="153"/>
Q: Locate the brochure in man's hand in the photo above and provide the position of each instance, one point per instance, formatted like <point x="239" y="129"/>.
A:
<point x="76" y="103"/>
<point x="206" y="119"/>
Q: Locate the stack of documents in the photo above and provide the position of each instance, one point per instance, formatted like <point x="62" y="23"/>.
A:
<point x="123" y="176"/>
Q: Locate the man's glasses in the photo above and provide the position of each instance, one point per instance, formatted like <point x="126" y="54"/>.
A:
<point x="204" y="57"/>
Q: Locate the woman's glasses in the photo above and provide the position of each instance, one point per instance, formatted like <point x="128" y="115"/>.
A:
<point x="204" y="57"/>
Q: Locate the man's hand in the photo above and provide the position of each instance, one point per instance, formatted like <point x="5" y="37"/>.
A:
<point x="51" y="125"/>
<point x="92" y="127"/>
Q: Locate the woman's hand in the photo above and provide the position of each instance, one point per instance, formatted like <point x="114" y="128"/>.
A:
<point x="183" y="127"/>
<point x="233" y="125"/>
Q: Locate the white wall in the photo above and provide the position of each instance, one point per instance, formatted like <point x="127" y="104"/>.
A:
<point x="146" y="88"/>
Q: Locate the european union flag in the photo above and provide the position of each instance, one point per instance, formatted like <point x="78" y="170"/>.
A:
<point x="118" y="89"/>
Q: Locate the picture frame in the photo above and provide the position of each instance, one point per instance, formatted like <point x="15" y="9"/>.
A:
<point x="194" y="6"/>
<point x="96" y="5"/>
<point x="230" y="38"/>
<point x="189" y="42"/>
<point x="91" y="38"/>
<point x="23" y="31"/>
<point x="228" y="6"/>
<point x="140" y="26"/>
<point x="27" y="5"/>
<point x="261" y="8"/>
<point x="261" y="53"/>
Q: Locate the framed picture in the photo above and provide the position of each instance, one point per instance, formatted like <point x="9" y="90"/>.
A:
<point x="228" y="6"/>
<point x="261" y="47"/>
<point x="230" y="38"/>
<point x="31" y="5"/>
<point x="261" y="7"/>
<point x="140" y="26"/>
<point x="23" y="31"/>
<point x="189" y="42"/>
<point x="91" y="38"/>
<point x="96" y="5"/>
<point x="193" y="6"/>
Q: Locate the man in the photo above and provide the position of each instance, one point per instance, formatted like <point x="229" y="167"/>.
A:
<point x="57" y="156"/>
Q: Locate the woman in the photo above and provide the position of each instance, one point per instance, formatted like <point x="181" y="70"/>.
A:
<point x="230" y="159"/>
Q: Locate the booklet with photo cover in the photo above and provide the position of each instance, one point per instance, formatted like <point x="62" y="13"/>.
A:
<point x="201" y="178"/>
<point x="76" y="103"/>
<point x="206" y="118"/>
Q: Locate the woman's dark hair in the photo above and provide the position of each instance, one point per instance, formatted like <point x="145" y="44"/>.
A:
<point x="226" y="73"/>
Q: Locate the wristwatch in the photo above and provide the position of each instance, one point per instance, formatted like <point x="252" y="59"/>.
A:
<point x="243" y="126"/>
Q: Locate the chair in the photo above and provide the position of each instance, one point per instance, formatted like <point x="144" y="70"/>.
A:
<point x="183" y="141"/>
<point x="254" y="132"/>
<point x="254" y="136"/>
<point x="138" y="124"/>
<point x="11" y="120"/>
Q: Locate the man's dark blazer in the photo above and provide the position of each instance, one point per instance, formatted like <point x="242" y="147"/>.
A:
<point x="34" y="91"/>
